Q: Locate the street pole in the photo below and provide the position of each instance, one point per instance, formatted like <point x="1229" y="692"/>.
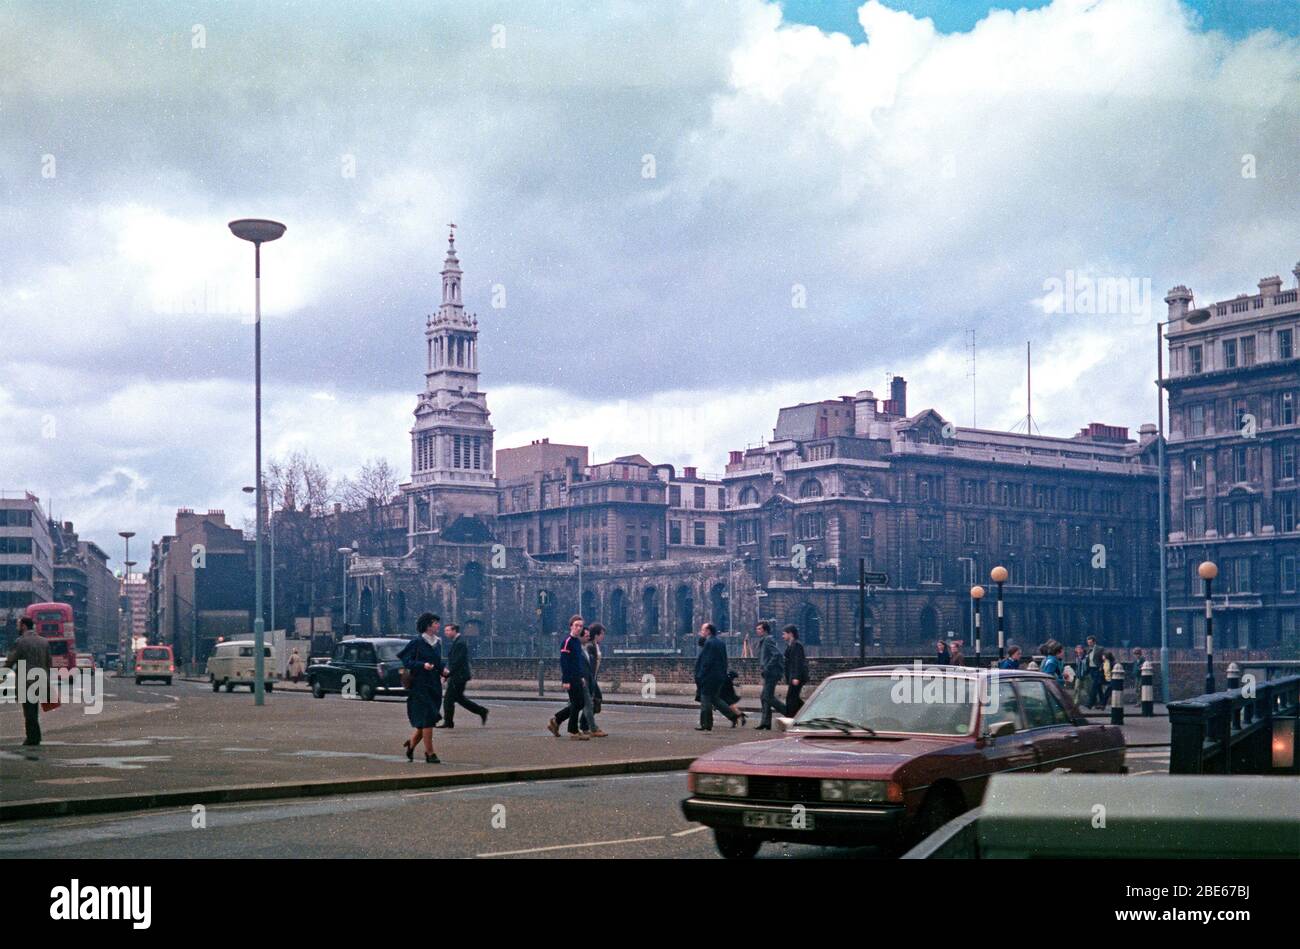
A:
<point x="270" y="516"/>
<point x="862" y="610"/>
<point x="258" y="231"/>
<point x="1208" y="571"/>
<point x="346" y="552"/>
<point x="999" y="576"/>
<point x="1164" y="557"/>
<point x="976" y="594"/>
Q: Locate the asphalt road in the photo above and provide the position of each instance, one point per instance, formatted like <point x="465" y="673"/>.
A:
<point x="625" y="816"/>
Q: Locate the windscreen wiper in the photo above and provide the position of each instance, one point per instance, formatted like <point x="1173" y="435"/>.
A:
<point x="841" y="724"/>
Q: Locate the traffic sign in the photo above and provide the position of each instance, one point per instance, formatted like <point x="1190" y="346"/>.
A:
<point x="876" y="579"/>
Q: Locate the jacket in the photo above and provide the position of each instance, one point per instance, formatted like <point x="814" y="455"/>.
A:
<point x="796" y="663"/>
<point x="458" y="661"/>
<point x="593" y="660"/>
<point x="711" y="663"/>
<point x="573" y="661"/>
<point x="415" y="654"/>
<point x="31" y="649"/>
<point x="770" y="661"/>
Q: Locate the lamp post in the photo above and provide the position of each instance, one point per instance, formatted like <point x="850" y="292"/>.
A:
<point x="258" y="232"/>
<point x="123" y="643"/>
<point x="976" y="594"/>
<point x="999" y="576"/>
<point x="1207" y="572"/>
<point x="271" y="520"/>
<point x="969" y="577"/>
<point x="346" y="552"/>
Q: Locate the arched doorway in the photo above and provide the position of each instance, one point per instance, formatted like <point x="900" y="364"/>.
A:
<point x="650" y="611"/>
<point x="810" y="625"/>
<point x="618" y="612"/>
<point x="471" y="587"/>
<point x="719" y="607"/>
<point x="684" y="605"/>
<point x="588" y="611"/>
<point x="929" y="624"/>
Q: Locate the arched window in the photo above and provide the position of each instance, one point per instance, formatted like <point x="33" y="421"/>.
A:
<point x="618" y="612"/>
<point x="719" y="611"/>
<point x="588" y="611"/>
<point x="810" y="625"/>
<point x="650" y="611"/>
<point x="685" y="604"/>
<point x="812" y="488"/>
<point x="749" y="495"/>
<point x="471" y="586"/>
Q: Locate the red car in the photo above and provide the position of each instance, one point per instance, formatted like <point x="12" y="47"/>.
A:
<point x="887" y="755"/>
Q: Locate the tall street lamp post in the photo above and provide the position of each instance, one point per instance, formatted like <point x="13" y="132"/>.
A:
<point x="346" y="552"/>
<point x="258" y="232"/>
<point x="124" y="642"/>
<point x="976" y="594"/>
<point x="999" y="576"/>
<point x="1208" y="571"/>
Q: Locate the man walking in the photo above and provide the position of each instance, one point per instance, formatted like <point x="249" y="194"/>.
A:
<point x="575" y="669"/>
<point x="796" y="670"/>
<point x="1095" y="658"/>
<point x="29" y="652"/>
<point x="457" y="673"/>
<point x="710" y="676"/>
<point x="771" y="666"/>
<point x="595" y="633"/>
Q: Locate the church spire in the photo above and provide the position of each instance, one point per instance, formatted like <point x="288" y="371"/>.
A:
<point x="451" y="273"/>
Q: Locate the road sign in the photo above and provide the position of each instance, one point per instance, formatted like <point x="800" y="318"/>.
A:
<point x="876" y="579"/>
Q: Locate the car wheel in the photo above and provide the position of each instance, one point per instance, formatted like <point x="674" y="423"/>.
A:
<point x="138" y="680"/>
<point x="318" y="690"/>
<point x="167" y="681"/>
<point x="216" y="686"/>
<point x="940" y="806"/>
<point x="270" y="686"/>
<point x="736" y="846"/>
<point x="367" y="692"/>
<point x="230" y="686"/>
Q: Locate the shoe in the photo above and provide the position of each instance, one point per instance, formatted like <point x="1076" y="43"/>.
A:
<point x="483" y="716"/>
<point x="599" y="734"/>
<point x="579" y="736"/>
<point x="410" y="750"/>
<point x="30" y="744"/>
<point x="553" y="727"/>
<point x="762" y="728"/>
<point x="448" y="725"/>
<point x="743" y="718"/>
<point x="701" y="728"/>
<point x="432" y="759"/>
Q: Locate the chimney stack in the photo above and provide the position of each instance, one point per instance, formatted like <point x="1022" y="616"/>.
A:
<point x="1179" y="300"/>
<point x="864" y="412"/>
<point x="689" y="473"/>
<point x="898" y="395"/>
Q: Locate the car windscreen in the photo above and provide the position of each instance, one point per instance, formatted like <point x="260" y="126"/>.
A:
<point x="388" y="651"/>
<point x="154" y="654"/>
<point x="58" y="647"/>
<point x="909" y="704"/>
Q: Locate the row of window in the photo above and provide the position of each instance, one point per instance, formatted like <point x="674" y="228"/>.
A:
<point x="699" y="499"/>
<point x="15" y="517"/>
<point x="15" y="545"/>
<point x="1238" y="352"/>
<point x="699" y="534"/>
<point x="1016" y="494"/>
<point x="460" y="451"/>
<point x="1243" y="465"/>
<point x="1239" y="517"/>
<point x="1039" y="572"/>
<point x="1199" y="413"/>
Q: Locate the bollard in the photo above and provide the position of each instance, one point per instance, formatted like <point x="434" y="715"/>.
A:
<point x="1234" y="682"/>
<point x="1148" y="690"/>
<point x="1117" y="695"/>
<point x="541" y="676"/>
<point x="1033" y="665"/>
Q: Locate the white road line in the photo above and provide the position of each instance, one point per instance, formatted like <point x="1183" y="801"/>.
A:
<point x="688" y="831"/>
<point x="593" y="843"/>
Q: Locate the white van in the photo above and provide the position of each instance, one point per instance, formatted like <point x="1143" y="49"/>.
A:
<point x="231" y="664"/>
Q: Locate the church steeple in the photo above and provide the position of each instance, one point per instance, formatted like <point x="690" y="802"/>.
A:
<point x="451" y="273"/>
<point x="452" y="333"/>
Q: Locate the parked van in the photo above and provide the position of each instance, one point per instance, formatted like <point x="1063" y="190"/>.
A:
<point x="231" y="664"/>
<point x="154" y="662"/>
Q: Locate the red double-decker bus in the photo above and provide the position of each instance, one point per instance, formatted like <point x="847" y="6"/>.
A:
<point x="54" y="622"/>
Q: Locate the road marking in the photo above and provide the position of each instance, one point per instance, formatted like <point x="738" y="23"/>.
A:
<point x="593" y="843"/>
<point x="688" y="831"/>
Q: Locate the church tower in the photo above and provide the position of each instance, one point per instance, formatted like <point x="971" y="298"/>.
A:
<point x="451" y="441"/>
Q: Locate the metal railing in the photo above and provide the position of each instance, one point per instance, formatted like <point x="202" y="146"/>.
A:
<point x="1249" y="730"/>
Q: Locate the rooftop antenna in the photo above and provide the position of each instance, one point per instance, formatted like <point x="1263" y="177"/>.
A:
<point x="970" y="372"/>
<point x="1028" y="421"/>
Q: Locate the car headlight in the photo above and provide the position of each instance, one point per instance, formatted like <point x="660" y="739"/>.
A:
<point x="871" y="792"/>
<point x="722" y="785"/>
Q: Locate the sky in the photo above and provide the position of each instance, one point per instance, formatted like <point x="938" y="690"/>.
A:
<point x="673" y="218"/>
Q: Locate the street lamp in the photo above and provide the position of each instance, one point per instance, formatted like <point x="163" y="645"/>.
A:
<point x="258" y="232"/>
<point x="1207" y="572"/>
<point x="976" y="594"/>
<point x="999" y="576"/>
<point x="271" y="520"/>
<point x="346" y="552"/>
<point x="126" y="575"/>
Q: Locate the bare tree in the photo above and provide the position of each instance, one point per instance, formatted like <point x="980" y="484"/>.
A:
<point x="299" y="481"/>
<point x="376" y="482"/>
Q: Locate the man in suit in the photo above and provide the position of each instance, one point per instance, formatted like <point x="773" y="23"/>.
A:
<point x="457" y="673"/>
<point x="710" y="675"/>
<point x="1094" y="659"/>
<point x="595" y="633"/>
<point x="796" y="670"/>
<point x="29" y="652"/>
<point x="771" y="667"/>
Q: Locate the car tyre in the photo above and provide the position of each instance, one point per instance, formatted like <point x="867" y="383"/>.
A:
<point x="367" y="692"/>
<point x="318" y="690"/>
<point x="270" y="686"/>
<point x="940" y="806"/>
<point x="216" y="686"/>
<point x="138" y="680"/>
<point x="736" y="846"/>
<point x="167" y="681"/>
<point x="230" y="686"/>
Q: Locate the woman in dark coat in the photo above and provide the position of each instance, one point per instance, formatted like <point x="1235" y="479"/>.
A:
<point x="422" y="656"/>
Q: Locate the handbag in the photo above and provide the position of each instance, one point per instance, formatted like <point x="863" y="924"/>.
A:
<point x="404" y="676"/>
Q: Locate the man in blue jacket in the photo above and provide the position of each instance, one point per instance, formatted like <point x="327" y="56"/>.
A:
<point x="574" y="669"/>
<point x="771" y="666"/>
<point x="710" y="675"/>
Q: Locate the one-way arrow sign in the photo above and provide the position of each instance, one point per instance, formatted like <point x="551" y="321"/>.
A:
<point x="876" y="579"/>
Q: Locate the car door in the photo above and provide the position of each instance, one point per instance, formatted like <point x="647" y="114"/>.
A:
<point x="332" y="674"/>
<point x="1055" y="737"/>
<point x="1014" y="752"/>
<point x="364" y="666"/>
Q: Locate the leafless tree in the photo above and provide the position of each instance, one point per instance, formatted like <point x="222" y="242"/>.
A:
<point x="376" y="482"/>
<point x="299" y="481"/>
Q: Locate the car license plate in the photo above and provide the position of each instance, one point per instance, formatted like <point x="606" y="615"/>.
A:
<point x="777" y="819"/>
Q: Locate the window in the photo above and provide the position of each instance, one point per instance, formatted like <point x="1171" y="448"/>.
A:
<point x="927" y="487"/>
<point x="974" y="533"/>
<point x="809" y="526"/>
<point x="1045" y="535"/>
<point x="1044" y="498"/>
<point x="1286" y="460"/>
<point x="812" y="488"/>
<point x="776" y="547"/>
<point x="1239" y="580"/>
<point x="1010" y="531"/>
<point x="1239" y="414"/>
<point x="645" y="547"/>
<point x="1196" y="420"/>
<point x="1239" y="464"/>
<point x="1286" y="522"/>
<point x="747" y="531"/>
<point x="1195" y="364"/>
<point x="699" y="499"/>
<point x="1248" y="350"/>
<point x="722" y="499"/>
<point x="1229" y="354"/>
<point x="675" y="495"/>
<point x="972" y="492"/>
<point x="722" y="535"/>
<point x="1196" y="520"/>
<point x="1243" y="522"/>
<point x="1286" y="408"/>
<point x="1196" y="471"/>
<point x="1012" y="495"/>
<point x="674" y="532"/>
<point x="1285" y="344"/>
<point x="867" y="525"/>
<point x="930" y="527"/>
<point x="1038" y="711"/>
<point x="699" y="534"/>
<point x="1287" y="576"/>
<point x="930" y="570"/>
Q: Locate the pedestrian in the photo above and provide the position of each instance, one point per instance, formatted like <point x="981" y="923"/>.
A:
<point x="295" y="666"/>
<point x="562" y="715"/>
<point x="944" y="657"/>
<point x="729" y="695"/>
<point x="1108" y="665"/>
<point x="1012" y="660"/>
<point x="422" y="658"/>
<point x="573" y="671"/>
<point x="710" y="676"/>
<point x="595" y="634"/>
<point x="954" y="654"/>
<point x="1054" y="664"/>
<point x="457" y="673"/>
<point x="771" y="668"/>
<point x="796" y="670"/>
<point x="1095" y="659"/>
<point x="29" y="652"/>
